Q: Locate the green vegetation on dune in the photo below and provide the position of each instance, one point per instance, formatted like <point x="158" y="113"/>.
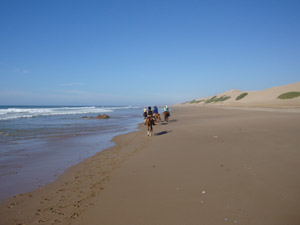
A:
<point x="241" y="96"/>
<point x="195" y="101"/>
<point x="216" y="99"/>
<point x="210" y="100"/>
<point x="289" y="95"/>
<point x="222" y="98"/>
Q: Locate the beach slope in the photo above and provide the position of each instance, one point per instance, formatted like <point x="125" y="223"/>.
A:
<point x="207" y="166"/>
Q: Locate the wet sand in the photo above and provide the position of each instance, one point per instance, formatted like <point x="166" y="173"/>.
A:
<point x="207" y="166"/>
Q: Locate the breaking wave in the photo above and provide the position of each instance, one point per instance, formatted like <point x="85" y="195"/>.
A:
<point x="28" y="112"/>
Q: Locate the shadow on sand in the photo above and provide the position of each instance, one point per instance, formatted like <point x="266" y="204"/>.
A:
<point x="162" y="133"/>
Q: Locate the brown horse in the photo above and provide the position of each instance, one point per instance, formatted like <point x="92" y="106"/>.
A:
<point x="149" y="123"/>
<point x="166" y="116"/>
<point x="157" y="117"/>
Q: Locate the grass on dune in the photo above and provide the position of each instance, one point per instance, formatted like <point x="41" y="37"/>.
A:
<point x="243" y="95"/>
<point x="210" y="100"/>
<point x="216" y="99"/>
<point x="195" y="101"/>
<point x="289" y="95"/>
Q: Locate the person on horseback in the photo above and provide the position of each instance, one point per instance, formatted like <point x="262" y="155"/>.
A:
<point x="155" y="110"/>
<point x="156" y="114"/>
<point x="145" y="115"/>
<point x="166" y="113"/>
<point x="149" y="122"/>
<point x="166" y="109"/>
<point x="150" y="115"/>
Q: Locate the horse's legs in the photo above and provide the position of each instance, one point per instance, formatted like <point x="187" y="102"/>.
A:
<point x="148" y="132"/>
<point x="147" y="123"/>
<point x="150" y="128"/>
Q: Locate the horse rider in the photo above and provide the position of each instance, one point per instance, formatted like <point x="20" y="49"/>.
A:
<point x="145" y="114"/>
<point x="166" y="113"/>
<point x="150" y="114"/>
<point x="166" y="109"/>
<point x="155" y="110"/>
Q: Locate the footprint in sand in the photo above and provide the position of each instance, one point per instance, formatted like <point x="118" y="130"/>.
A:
<point x="75" y="214"/>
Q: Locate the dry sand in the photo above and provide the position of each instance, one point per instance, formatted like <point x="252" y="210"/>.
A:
<point x="207" y="166"/>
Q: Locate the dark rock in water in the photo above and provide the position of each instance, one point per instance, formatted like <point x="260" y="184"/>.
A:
<point x="104" y="116"/>
<point x="100" y="116"/>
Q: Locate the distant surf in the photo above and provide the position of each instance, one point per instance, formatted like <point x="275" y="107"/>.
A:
<point x="16" y="112"/>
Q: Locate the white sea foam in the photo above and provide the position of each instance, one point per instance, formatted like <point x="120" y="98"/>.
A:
<point x="16" y="113"/>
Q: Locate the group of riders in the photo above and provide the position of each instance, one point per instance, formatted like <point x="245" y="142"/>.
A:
<point x="154" y="115"/>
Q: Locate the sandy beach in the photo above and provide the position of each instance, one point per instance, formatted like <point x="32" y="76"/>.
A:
<point x="207" y="166"/>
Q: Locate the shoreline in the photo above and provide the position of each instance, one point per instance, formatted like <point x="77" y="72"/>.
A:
<point x="36" y="151"/>
<point x="28" y="171"/>
<point x="208" y="165"/>
<point x="38" y="200"/>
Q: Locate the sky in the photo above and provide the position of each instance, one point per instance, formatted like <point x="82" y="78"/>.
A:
<point x="135" y="52"/>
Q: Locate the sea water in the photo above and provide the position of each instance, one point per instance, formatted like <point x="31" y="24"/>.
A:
<point x="37" y="143"/>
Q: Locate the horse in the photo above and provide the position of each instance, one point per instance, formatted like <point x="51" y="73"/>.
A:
<point x="157" y="117"/>
<point x="149" y="123"/>
<point x="166" y="116"/>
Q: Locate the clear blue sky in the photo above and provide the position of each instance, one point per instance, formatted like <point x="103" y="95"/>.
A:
<point x="144" y="52"/>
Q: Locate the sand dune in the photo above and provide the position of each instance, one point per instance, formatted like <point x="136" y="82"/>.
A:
<point x="263" y="98"/>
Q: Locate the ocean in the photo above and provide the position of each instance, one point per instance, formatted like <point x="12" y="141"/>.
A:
<point x="38" y="143"/>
